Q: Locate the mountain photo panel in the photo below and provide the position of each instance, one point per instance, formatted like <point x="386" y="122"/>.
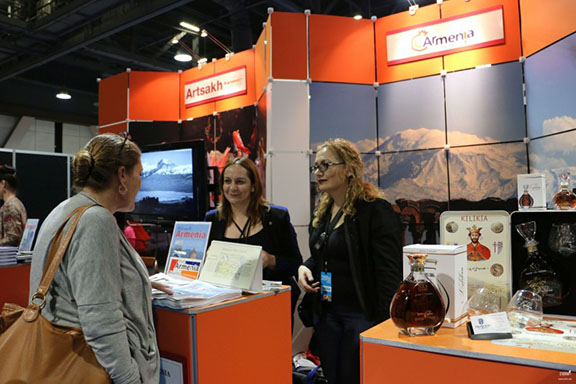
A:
<point x="552" y="156"/>
<point x="416" y="184"/>
<point x="341" y="110"/>
<point x="485" y="105"/>
<point x="411" y="114"/>
<point x="551" y="88"/>
<point x="484" y="176"/>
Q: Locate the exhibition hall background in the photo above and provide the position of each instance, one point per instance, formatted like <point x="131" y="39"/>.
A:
<point x="449" y="132"/>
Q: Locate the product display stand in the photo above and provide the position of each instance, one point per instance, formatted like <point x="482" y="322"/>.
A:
<point x="246" y="340"/>
<point x="451" y="357"/>
<point x="14" y="284"/>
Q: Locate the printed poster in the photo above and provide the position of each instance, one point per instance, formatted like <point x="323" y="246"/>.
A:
<point x="487" y="238"/>
<point x="187" y="248"/>
<point x="28" y="235"/>
<point x="233" y="265"/>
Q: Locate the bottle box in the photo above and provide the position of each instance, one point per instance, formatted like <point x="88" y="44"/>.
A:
<point x="531" y="191"/>
<point x="450" y="277"/>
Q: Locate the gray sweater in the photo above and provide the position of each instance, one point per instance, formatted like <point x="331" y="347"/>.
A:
<point x="102" y="287"/>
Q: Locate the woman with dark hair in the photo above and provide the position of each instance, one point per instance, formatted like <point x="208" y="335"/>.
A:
<point x="102" y="285"/>
<point x="12" y="213"/>
<point x="356" y="259"/>
<point x="243" y="216"/>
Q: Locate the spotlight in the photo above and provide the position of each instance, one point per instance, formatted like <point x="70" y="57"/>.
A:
<point x="63" y="95"/>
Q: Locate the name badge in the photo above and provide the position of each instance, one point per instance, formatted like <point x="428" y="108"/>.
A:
<point x="326" y="286"/>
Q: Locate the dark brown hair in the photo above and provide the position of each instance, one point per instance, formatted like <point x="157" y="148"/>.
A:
<point x="8" y="173"/>
<point x="257" y="203"/>
<point x="95" y="165"/>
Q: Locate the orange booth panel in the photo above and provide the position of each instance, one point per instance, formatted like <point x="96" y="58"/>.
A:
<point x="114" y="128"/>
<point x="154" y="96"/>
<point x="390" y="73"/>
<point x="260" y="76"/>
<point x="509" y="51"/>
<point x="14" y="284"/>
<point x="192" y="74"/>
<point x="545" y="23"/>
<point x="288" y="45"/>
<point x="341" y="49"/>
<point x="241" y="59"/>
<point x="113" y="99"/>
<point x="267" y="39"/>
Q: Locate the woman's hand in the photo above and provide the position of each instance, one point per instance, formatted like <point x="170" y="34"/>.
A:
<point x="161" y="287"/>
<point x="306" y="280"/>
<point x="268" y="260"/>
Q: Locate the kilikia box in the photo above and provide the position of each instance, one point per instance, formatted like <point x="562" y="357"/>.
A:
<point x="450" y="276"/>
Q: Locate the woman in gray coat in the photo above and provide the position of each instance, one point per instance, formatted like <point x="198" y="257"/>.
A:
<point x="102" y="286"/>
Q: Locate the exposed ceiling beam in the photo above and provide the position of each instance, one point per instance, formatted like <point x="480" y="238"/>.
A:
<point x="128" y="57"/>
<point x="61" y="13"/>
<point x="145" y="11"/>
<point x="287" y="5"/>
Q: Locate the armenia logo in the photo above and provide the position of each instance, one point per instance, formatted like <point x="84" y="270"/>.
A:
<point x="418" y="41"/>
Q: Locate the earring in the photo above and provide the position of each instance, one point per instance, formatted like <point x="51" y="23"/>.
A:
<point x="122" y="189"/>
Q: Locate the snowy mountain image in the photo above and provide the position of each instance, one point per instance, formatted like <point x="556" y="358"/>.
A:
<point x="166" y="178"/>
<point x="476" y="172"/>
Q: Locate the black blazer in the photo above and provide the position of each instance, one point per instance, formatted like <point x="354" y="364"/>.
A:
<point x="373" y="240"/>
<point x="279" y="240"/>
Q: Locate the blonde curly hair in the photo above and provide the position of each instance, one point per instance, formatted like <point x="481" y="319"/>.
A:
<point x="357" y="187"/>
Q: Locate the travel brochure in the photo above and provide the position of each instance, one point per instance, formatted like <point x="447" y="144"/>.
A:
<point x="25" y="247"/>
<point x="187" y="248"/>
<point x="552" y="335"/>
<point x="198" y="276"/>
<point x="190" y="293"/>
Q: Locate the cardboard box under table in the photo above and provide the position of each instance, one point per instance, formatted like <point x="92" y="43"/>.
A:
<point x="451" y="275"/>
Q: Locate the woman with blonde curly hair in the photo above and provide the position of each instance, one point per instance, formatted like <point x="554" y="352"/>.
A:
<point x="356" y="259"/>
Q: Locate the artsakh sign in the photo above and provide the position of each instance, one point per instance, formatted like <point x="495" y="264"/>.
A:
<point x="217" y="87"/>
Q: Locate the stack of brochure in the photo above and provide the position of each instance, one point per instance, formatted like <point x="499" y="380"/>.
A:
<point x="190" y="293"/>
<point x="8" y="255"/>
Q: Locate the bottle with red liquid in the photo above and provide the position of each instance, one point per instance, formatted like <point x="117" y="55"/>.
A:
<point x="417" y="307"/>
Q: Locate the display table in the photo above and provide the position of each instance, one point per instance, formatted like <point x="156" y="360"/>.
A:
<point x="14" y="284"/>
<point x="451" y="357"/>
<point x="246" y="340"/>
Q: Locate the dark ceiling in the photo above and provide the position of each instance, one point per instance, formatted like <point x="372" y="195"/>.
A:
<point x="47" y="45"/>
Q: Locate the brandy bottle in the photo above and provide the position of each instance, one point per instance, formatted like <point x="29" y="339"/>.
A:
<point x="537" y="275"/>
<point x="417" y="307"/>
<point x="525" y="201"/>
<point x="565" y="199"/>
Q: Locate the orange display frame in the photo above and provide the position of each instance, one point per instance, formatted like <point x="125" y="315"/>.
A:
<point x="509" y="51"/>
<point x="386" y="353"/>
<point x="221" y="342"/>
<point x="14" y="284"/>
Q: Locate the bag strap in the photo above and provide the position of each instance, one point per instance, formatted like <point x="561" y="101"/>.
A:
<point x="57" y="251"/>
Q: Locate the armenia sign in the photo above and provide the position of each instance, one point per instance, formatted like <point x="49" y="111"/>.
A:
<point x="478" y="29"/>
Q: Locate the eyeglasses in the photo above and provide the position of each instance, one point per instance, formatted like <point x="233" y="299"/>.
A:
<point x="323" y="166"/>
<point x="126" y="136"/>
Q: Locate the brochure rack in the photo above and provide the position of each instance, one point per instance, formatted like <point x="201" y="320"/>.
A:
<point x="246" y="340"/>
<point x="386" y="353"/>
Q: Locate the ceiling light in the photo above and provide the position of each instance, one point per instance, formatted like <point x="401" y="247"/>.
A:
<point x="182" y="56"/>
<point x="63" y="95"/>
<point x="357" y="17"/>
<point x="189" y="26"/>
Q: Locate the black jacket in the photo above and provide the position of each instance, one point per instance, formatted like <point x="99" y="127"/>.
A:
<point x="373" y="240"/>
<point x="279" y="240"/>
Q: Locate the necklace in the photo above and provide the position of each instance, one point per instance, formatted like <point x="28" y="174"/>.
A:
<point x="245" y="231"/>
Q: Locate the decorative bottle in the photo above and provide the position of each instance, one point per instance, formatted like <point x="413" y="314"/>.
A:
<point x="537" y="275"/>
<point x="417" y="307"/>
<point x="565" y="199"/>
<point x="525" y="201"/>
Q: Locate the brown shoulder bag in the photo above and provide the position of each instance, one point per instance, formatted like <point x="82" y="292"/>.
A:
<point x="34" y="350"/>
